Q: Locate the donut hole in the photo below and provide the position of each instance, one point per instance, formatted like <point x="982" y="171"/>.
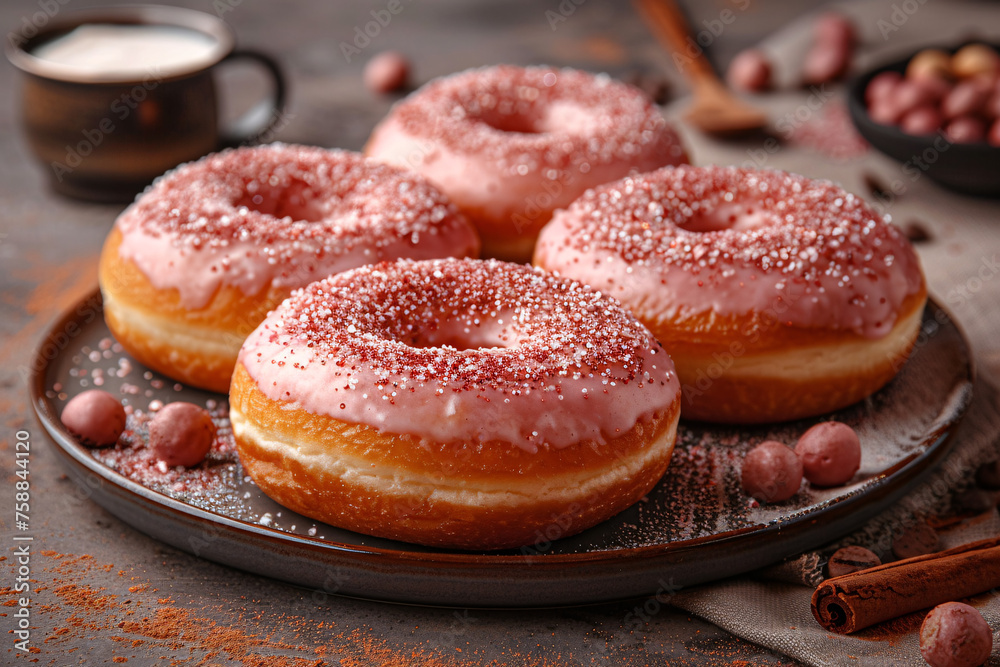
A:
<point x="294" y="199"/>
<point x="557" y="117"/>
<point x="514" y="122"/>
<point x="734" y="216"/>
<point x="458" y="335"/>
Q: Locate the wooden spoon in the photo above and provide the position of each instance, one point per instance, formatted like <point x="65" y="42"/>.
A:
<point x="715" y="109"/>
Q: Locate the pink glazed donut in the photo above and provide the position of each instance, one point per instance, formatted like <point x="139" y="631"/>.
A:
<point x="454" y="403"/>
<point x="509" y="145"/>
<point x="778" y="296"/>
<point x="194" y="265"/>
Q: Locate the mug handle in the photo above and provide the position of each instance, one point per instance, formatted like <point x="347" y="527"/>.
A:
<point x="262" y="117"/>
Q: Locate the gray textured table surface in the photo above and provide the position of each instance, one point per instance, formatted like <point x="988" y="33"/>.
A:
<point x="103" y="592"/>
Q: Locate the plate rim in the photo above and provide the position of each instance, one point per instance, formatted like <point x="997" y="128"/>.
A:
<point x="933" y="447"/>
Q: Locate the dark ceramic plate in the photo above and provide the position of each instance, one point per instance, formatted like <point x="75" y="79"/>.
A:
<point x="696" y="526"/>
<point x="972" y="168"/>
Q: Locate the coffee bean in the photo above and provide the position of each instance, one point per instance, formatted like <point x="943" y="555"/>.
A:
<point x="851" y="559"/>
<point x="876" y="188"/>
<point x="916" y="232"/>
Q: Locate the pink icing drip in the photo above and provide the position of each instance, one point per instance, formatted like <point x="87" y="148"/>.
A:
<point x="803" y="249"/>
<point x="463" y="350"/>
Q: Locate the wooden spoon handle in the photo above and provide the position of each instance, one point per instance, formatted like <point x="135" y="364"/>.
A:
<point x="667" y="22"/>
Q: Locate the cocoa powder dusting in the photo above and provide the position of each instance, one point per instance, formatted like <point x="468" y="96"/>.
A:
<point x="142" y="624"/>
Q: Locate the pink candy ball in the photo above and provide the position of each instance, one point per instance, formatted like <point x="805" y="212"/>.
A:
<point x="955" y="635"/>
<point x="909" y="95"/>
<point x="922" y="120"/>
<point x="992" y="106"/>
<point x="386" y="72"/>
<point x="830" y="453"/>
<point x="771" y="472"/>
<point x="965" y="129"/>
<point x="881" y="87"/>
<point x="825" y="62"/>
<point x="834" y="28"/>
<point x="966" y="98"/>
<point x="994" y="136"/>
<point x="96" y="417"/>
<point x="885" y="112"/>
<point x="934" y="86"/>
<point x="181" y="434"/>
<point x="750" y="70"/>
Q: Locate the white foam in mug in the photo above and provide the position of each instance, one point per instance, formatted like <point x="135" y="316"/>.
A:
<point x="123" y="50"/>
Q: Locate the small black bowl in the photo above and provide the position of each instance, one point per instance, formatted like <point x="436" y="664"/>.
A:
<point x="971" y="168"/>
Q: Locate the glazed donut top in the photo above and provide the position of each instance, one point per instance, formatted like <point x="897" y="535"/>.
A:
<point x="554" y="122"/>
<point x="283" y="215"/>
<point x="690" y="240"/>
<point x="463" y="351"/>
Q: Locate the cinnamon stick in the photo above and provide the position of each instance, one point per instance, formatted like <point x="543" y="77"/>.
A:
<point x="855" y="601"/>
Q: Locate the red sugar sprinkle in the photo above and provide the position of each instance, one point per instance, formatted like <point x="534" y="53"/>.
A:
<point x="831" y="133"/>
<point x="280" y="195"/>
<point x="802" y="228"/>
<point x="533" y="119"/>
<point x="399" y="319"/>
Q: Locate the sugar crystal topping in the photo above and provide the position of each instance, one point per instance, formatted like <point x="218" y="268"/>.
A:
<point x="282" y="216"/>
<point x="798" y="227"/>
<point x="688" y="241"/>
<point x="277" y="196"/>
<point x="539" y="117"/>
<point x="538" y="325"/>
<point x="487" y="348"/>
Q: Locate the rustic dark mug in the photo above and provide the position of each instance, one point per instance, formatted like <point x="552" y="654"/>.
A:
<point x="104" y="136"/>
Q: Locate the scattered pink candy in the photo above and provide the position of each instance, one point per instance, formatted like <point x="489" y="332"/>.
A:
<point x="750" y="70"/>
<point x="966" y="98"/>
<point x="386" y="72"/>
<point x="923" y="120"/>
<point x="881" y="87"/>
<point x="834" y="28"/>
<point x="994" y="136"/>
<point x="955" y="635"/>
<point x="181" y="434"/>
<point x="935" y="87"/>
<point x="830" y="453"/>
<point x="96" y="417"/>
<point x="965" y="129"/>
<point x="830" y="55"/>
<point x="771" y="472"/>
